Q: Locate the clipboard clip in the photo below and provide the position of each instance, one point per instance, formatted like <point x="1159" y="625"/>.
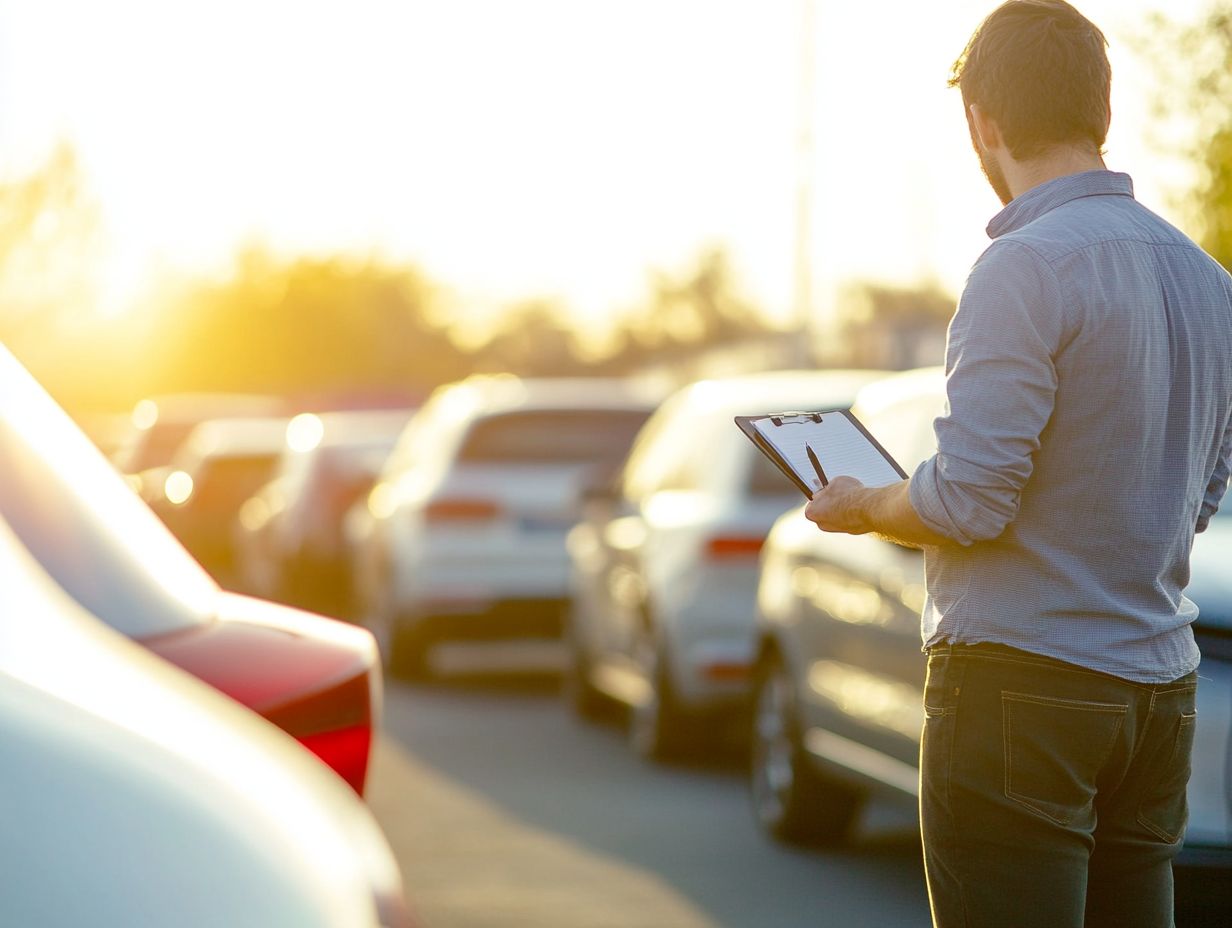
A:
<point x="795" y="417"/>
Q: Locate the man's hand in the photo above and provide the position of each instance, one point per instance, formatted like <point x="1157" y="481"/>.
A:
<point x="836" y="507"/>
<point x="848" y="506"/>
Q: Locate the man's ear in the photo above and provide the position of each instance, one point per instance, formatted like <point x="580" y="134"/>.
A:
<point x="984" y="128"/>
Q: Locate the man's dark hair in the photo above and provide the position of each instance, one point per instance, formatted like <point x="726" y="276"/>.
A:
<point x="1039" y="68"/>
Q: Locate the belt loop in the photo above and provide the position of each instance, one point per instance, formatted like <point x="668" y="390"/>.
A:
<point x="954" y="678"/>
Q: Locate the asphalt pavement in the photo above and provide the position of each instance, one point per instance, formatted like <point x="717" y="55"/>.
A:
<point x="506" y="812"/>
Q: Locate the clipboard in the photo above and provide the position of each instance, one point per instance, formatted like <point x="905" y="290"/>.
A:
<point x="811" y="447"/>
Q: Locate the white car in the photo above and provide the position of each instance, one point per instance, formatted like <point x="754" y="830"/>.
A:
<point x="664" y="565"/>
<point x="134" y="796"/>
<point x="469" y="516"/>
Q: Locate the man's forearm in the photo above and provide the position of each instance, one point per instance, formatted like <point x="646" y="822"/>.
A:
<point x="848" y="506"/>
<point x="888" y="512"/>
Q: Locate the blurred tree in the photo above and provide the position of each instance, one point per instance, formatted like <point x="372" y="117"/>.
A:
<point x="698" y="309"/>
<point x="532" y="338"/>
<point x="49" y="243"/>
<point x="51" y="246"/>
<point x="1194" y="64"/>
<point x="305" y="327"/>
<point x="895" y="327"/>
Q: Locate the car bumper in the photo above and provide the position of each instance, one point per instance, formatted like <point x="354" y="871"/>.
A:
<point x="496" y="619"/>
<point x="461" y="581"/>
<point x="712" y="642"/>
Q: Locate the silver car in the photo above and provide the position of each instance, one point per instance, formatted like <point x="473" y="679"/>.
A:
<point x="133" y="795"/>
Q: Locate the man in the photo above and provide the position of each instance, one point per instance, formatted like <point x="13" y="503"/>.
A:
<point x="1089" y="379"/>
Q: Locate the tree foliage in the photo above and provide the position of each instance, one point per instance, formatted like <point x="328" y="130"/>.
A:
<point x="532" y="338"/>
<point x="305" y="326"/>
<point x="894" y="326"/>
<point x="1194" y="64"/>
<point x="49" y="241"/>
<point x="700" y="307"/>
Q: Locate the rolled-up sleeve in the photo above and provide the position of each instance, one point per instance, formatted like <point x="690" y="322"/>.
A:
<point x="1218" y="484"/>
<point x="1001" y="384"/>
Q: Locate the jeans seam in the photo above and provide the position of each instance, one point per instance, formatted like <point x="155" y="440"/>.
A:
<point x="1061" y="666"/>
<point x="957" y="677"/>
<point x="1185" y="719"/>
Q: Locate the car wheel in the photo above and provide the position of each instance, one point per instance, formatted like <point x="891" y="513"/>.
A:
<point x="792" y="800"/>
<point x="659" y="728"/>
<point x="580" y="694"/>
<point x="409" y="649"/>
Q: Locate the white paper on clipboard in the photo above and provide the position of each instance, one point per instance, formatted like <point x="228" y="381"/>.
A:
<point x="842" y="447"/>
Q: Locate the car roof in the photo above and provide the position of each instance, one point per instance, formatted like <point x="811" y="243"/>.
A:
<point x="501" y="393"/>
<point x="236" y="437"/>
<point x="197" y="407"/>
<point x="771" y="391"/>
<point x="889" y="389"/>
<point x="368" y="426"/>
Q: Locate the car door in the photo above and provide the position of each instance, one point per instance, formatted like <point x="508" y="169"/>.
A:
<point x="859" y="602"/>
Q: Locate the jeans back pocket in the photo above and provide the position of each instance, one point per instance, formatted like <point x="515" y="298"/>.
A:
<point x="1054" y="751"/>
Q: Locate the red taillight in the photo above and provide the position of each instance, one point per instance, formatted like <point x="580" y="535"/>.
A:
<point x="734" y="546"/>
<point x="726" y="671"/>
<point x="346" y="750"/>
<point x="461" y="510"/>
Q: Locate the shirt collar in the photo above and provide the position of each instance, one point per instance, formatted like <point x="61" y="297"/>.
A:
<point x="1038" y="200"/>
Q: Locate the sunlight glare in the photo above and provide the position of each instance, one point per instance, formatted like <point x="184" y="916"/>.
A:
<point x="145" y="415"/>
<point x="305" y="432"/>
<point x="178" y="487"/>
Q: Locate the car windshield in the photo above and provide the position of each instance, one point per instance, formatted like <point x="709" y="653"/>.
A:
<point x="573" y="436"/>
<point x="80" y="520"/>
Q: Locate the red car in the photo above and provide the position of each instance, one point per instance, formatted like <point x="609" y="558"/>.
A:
<point x="316" y="678"/>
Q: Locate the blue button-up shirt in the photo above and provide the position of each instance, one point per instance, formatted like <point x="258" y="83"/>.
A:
<point x="1089" y="380"/>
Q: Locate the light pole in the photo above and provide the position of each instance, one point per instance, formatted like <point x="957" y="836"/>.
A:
<point x="803" y="284"/>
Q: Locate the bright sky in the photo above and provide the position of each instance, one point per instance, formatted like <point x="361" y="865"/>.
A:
<point x="525" y="148"/>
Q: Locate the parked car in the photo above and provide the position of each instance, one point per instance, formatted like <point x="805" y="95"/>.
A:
<point x="158" y="425"/>
<point x="664" y="561"/>
<point x="221" y="464"/>
<point x="288" y="537"/>
<point x="840" y="674"/>
<point x="318" y="679"/>
<point x="134" y="796"/>
<point x="470" y="513"/>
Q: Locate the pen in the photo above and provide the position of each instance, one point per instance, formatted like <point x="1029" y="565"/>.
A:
<point x="821" y="474"/>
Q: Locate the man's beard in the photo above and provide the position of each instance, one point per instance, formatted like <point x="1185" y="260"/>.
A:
<point x="996" y="176"/>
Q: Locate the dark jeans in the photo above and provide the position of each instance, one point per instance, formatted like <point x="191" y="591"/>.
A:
<point x="1050" y="795"/>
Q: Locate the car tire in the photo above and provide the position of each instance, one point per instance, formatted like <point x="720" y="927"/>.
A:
<point x="660" y="729"/>
<point x="409" y="651"/>
<point x="792" y="801"/>
<point x="580" y="694"/>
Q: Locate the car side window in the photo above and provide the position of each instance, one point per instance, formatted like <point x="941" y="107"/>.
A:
<point x="905" y="428"/>
<point x="654" y="454"/>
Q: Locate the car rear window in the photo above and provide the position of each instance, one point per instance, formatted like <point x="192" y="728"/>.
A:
<point x="574" y="436"/>
<point x="225" y="482"/>
<point x="768" y="480"/>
